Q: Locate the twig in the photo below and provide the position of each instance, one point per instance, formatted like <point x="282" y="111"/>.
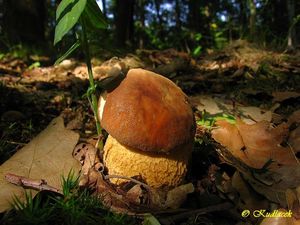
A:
<point x="4" y="69"/>
<point x="40" y="185"/>
<point x="15" y="143"/>
<point x="209" y="209"/>
<point x="128" y="178"/>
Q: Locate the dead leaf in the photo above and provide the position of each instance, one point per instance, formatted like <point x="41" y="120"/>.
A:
<point x="213" y="106"/>
<point x="137" y="194"/>
<point x="262" y="143"/>
<point x="280" y="220"/>
<point x="228" y="135"/>
<point x="177" y="196"/>
<point x="207" y="103"/>
<point x="248" y="198"/>
<point x="253" y="114"/>
<point x="294" y="139"/>
<point x="292" y="199"/>
<point x="273" y="184"/>
<point x="294" y="118"/>
<point x="252" y="91"/>
<point x="257" y="144"/>
<point x="48" y="156"/>
<point x="76" y="123"/>
<point x="87" y="155"/>
<point x="281" y="96"/>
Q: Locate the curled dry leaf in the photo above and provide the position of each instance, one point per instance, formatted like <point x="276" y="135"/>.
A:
<point x="87" y="155"/>
<point x="261" y="143"/>
<point x="137" y="194"/>
<point x="93" y="178"/>
<point x="228" y="135"/>
<point x="111" y="197"/>
<point x="255" y="144"/>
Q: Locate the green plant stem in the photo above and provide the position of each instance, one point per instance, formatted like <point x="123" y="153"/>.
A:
<point x="94" y="103"/>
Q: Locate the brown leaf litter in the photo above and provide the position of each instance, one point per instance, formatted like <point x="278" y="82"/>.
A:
<point x="49" y="155"/>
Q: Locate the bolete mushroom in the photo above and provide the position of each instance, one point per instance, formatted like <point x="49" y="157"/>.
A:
<point x="151" y="129"/>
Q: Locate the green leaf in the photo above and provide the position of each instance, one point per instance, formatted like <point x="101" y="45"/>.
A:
<point x="197" y="51"/>
<point x="93" y="16"/>
<point x="208" y="120"/>
<point x="34" y="65"/>
<point x="67" y="15"/>
<point x="198" y="37"/>
<point x="67" y="53"/>
<point x="149" y="219"/>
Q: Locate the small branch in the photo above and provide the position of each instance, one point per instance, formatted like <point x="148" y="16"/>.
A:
<point x="128" y="178"/>
<point x="4" y="69"/>
<point x="40" y="185"/>
<point x="15" y="143"/>
<point x="183" y="215"/>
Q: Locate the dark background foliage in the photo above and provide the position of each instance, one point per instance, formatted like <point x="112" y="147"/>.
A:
<point x="191" y="26"/>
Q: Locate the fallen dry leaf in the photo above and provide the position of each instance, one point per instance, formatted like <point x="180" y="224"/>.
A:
<point x="294" y="118"/>
<point x="177" y="196"/>
<point x="284" y="95"/>
<point x="235" y="143"/>
<point x="214" y="106"/>
<point x="292" y="198"/>
<point x="253" y="114"/>
<point x="256" y="144"/>
<point x="248" y="198"/>
<point x="280" y="220"/>
<point x="274" y="185"/>
<point x="294" y="139"/>
<point x="207" y="103"/>
<point x="137" y="194"/>
<point x="48" y="156"/>
<point x="261" y="144"/>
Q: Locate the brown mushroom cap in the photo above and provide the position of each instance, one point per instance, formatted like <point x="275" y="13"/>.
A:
<point x="148" y="112"/>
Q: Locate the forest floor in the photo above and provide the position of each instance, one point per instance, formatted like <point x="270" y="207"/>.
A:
<point x="239" y="82"/>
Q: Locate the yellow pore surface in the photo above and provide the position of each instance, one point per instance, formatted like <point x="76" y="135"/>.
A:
<point x="158" y="170"/>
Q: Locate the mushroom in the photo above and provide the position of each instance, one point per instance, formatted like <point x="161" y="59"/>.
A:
<point x="151" y="129"/>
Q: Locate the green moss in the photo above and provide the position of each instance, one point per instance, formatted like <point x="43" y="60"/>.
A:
<point x="74" y="207"/>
